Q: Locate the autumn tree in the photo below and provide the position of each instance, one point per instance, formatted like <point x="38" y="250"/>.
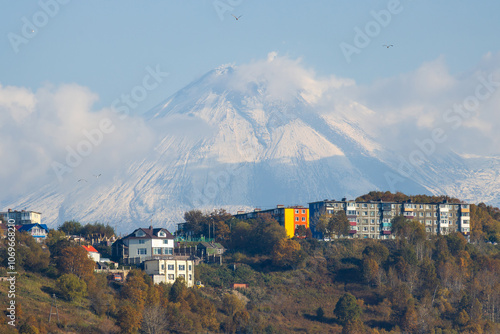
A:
<point x="74" y="260"/>
<point x="129" y="318"/>
<point x="287" y="253"/>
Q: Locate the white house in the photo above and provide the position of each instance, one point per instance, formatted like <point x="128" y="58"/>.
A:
<point x="37" y="231"/>
<point x="143" y="244"/>
<point x="92" y="253"/>
<point x="167" y="270"/>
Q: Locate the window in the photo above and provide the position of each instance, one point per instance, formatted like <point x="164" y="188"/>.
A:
<point x="372" y="221"/>
<point x="428" y="214"/>
<point x="365" y="228"/>
<point x="171" y="277"/>
<point x="161" y="234"/>
<point x="182" y="267"/>
<point x="296" y="211"/>
<point x="165" y="241"/>
<point x="303" y="219"/>
<point x="157" y="251"/>
<point x="168" y="251"/>
<point x="365" y="213"/>
<point x="421" y="214"/>
<point x="303" y="211"/>
<point x="189" y="267"/>
<point x="182" y="275"/>
<point x="373" y="228"/>
<point x="365" y="205"/>
<point x="142" y="242"/>
<point x="296" y="219"/>
<point x="162" y="267"/>
<point x="190" y="277"/>
<point x="170" y="267"/>
<point x="142" y="251"/>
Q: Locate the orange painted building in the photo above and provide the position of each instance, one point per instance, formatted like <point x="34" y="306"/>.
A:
<point x="289" y="217"/>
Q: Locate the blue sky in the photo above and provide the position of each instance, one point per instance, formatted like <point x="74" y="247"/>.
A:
<point x="106" y="45"/>
<point x="64" y="62"/>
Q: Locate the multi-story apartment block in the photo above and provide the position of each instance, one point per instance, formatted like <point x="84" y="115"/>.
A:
<point x="22" y="217"/>
<point x="167" y="270"/>
<point x="373" y="219"/>
<point x="290" y="217"/>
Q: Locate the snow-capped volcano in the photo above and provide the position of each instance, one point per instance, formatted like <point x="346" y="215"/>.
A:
<point x="238" y="139"/>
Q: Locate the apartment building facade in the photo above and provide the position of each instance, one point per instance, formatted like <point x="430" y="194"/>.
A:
<point x="373" y="219"/>
<point x="290" y="217"/>
<point x="22" y="217"/>
<point x="167" y="270"/>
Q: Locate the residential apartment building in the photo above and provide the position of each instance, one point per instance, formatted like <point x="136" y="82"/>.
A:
<point x="167" y="270"/>
<point x="22" y="217"/>
<point x="143" y="244"/>
<point x="290" y="217"/>
<point x="373" y="219"/>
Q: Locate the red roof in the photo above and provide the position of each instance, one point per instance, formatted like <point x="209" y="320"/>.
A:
<point x="90" y="249"/>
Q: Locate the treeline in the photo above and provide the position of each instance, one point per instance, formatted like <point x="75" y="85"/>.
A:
<point x="88" y="231"/>
<point x="387" y="196"/>
<point x="254" y="237"/>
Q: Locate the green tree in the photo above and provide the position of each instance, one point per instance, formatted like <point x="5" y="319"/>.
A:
<point x="347" y="309"/>
<point x="178" y="290"/>
<point x="71" y="227"/>
<point x="29" y="253"/>
<point x="335" y="224"/>
<point x="71" y="287"/>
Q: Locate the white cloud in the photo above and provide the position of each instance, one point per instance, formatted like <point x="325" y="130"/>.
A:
<point x="38" y="129"/>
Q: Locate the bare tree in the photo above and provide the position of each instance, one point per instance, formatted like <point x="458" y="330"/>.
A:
<point x="154" y="320"/>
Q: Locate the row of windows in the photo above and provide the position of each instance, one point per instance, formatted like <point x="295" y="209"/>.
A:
<point x="409" y="206"/>
<point x="182" y="267"/>
<point x="297" y="211"/>
<point x="156" y="251"/>
<point x="297" y="219"/>
<point x="171" y="277"/>
<point x="143" y="241"/>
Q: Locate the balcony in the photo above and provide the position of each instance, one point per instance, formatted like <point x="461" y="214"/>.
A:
<point x="386" y="232"/>
<point x="353" y="223"/>
<point x="386" y="224"/>
<point x="352" y="232"/>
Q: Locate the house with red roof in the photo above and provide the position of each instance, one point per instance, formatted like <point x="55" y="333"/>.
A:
<point x="92" y="253"/>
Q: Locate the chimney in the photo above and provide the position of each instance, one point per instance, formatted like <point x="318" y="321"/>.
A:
<point x="280" y="206"/>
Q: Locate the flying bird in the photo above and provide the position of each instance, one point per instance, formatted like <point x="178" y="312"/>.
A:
<point x="97" y="175"/>
<point x="237" y="17"/>
<point x="387" y="46"/>
<point x="82" y="180"/>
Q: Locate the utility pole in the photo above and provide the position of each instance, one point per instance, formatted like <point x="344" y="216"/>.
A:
<point x="54" y="305"/>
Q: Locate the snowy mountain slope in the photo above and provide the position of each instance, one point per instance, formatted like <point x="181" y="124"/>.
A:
<point x="224" y="142"/>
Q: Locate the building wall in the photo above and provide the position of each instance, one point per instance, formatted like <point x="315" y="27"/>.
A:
<point x="373" y="219"/>
<point x="168" y="270"/>
<point x="22" y="217"/>
<point x="286" y="217"/>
